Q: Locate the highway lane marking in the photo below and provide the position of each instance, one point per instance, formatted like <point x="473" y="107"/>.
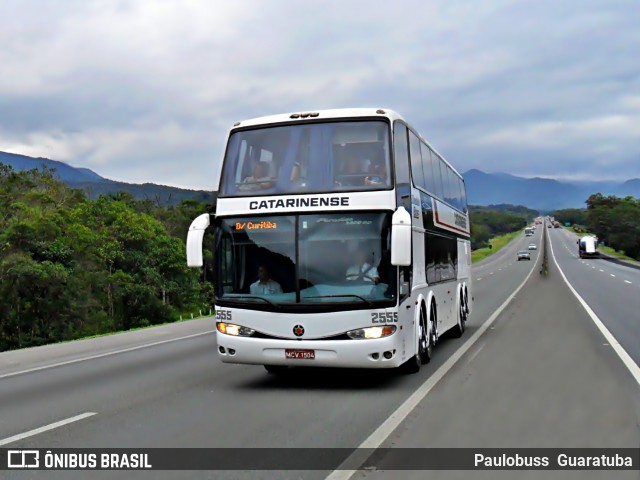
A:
<point x="601" y="270"/>
<point x="46" y="428"/>
<point x="622" y="353"/>
<point x="101" y="355"/>
<point x="475" y="354"/>
<point x="612" y="274"/>
<point x="627" y="281"/>
<point x="396" y="418"/>
<point x="478" y="279"/>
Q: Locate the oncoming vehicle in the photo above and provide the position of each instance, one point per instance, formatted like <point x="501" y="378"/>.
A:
<point x="524" y="255"/>
<point x="588" y="247"/>
<point x="351" y="247"/>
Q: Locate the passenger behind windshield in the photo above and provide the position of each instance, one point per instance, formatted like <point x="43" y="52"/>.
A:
<point x="265" y="285"/>
<point x="362" y="270"/>
<point x="259" y="180"/>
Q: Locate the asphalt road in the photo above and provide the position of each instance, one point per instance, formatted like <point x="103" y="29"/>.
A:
<point x="610" y="289"/>
<point x="543" y="377"/>
<point x="175" y="393"/>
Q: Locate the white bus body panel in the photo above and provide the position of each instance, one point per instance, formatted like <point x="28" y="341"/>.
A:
<point x="328" y="353"/>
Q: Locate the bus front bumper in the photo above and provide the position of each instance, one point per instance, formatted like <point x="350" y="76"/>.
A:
<point x="375" y="353"/>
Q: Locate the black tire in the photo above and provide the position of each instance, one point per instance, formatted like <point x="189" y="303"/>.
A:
<point x="466" y="302"/>
<point x="459" y="329"/>
<point x="424" y="349"/>
<point x="276" y="369"/>
<point x="433" y="336"/>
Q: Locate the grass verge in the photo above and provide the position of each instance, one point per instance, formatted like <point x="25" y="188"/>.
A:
<point x="185" y="317"/>
<point x="496" y="244"/>
<point x="607" y="250"/>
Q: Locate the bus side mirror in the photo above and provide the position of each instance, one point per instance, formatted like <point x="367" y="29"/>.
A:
<point x="194" y="240"/>
<point x="401" y="238"/>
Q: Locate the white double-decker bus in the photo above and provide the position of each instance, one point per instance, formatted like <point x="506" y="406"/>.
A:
<point x="341" y="240"/>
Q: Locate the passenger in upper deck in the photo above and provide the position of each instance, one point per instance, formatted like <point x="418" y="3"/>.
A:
<point x="297" y="181"/>
<point x="351" y="174"/>
<point x="377" y="174"/>
<point x="259" y="180"/>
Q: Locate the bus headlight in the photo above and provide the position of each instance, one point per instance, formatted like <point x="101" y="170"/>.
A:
<point x="235" y="330"/>
<point x="372" y="332"/>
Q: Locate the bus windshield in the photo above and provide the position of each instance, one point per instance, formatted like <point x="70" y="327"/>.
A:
<point x="307" y="158"/>
<point x="300" y="260"/>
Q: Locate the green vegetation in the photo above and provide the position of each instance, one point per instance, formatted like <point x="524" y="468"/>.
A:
<point x="72" y="267"/>
<point x="614" y="253"/>
<point x="496" y="244"/>
<point x="496" y="220"/>
<point x="604" y="249"/>
<point x="575" y="216"/>
<point x="518" y="210"/>
<point x="616" y="221"/>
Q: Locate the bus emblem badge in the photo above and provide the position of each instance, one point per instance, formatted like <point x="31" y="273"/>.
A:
<point x="298" y="330"/>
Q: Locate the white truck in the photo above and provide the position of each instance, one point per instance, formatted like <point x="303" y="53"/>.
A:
<point x="588" y="246"/>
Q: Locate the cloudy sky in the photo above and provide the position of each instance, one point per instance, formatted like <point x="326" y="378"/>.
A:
<point x="145" y="91"/>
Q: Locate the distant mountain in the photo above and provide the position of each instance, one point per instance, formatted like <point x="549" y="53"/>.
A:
<point x="64" y="172"/>
<point x="482" y="188"/>
<point x="630" y="187"/>
<point x="95" y="185"/>
<point x="538" y="193"/>
<point x="519" y="210"/>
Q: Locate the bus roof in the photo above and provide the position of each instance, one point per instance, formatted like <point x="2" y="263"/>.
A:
<point x="346" y="113"/>
<point x="320" y="115"/>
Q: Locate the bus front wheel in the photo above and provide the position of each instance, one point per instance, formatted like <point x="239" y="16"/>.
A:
<point x="459" y="329"/>
<point x="425" y="346"/>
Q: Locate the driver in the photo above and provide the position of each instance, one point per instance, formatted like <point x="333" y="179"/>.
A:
<point x="362" y="269"/>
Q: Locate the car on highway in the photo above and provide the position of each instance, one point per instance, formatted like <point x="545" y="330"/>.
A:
<point x="533" y="246"/>
<point x="524" y="255"/>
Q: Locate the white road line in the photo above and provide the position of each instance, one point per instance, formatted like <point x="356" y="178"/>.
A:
<point x="491" y="273"/>
<point x="627" y="281"/>
<point x="46" y="428"/>
<point x="612" y="274"/>
<point x="622" y="353"/>
<point x="478" y="279"/>
<point x="101" y="355"/>
<point x="601" y="270"/>
<point x="395" y="419"/>
<point x="475" y="354"/>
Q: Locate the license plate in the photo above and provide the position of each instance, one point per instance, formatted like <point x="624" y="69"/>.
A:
<point x="300" y="354"/>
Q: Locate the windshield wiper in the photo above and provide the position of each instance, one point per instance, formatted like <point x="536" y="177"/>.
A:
<point x="274" y="305"/>
<point x="368" y="302"/>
